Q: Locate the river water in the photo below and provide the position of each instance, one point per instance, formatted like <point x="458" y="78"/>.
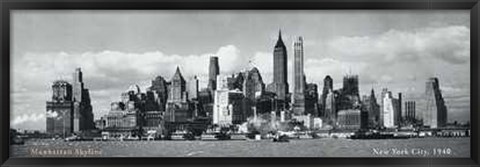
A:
<point x="414" y="147"/>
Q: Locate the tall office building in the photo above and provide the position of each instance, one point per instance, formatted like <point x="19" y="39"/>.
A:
<point x="327" y="86"/>
<point x="373" y="109"/>
<point x="193" y="88"/>
<point x="435" y="113"/>
<point x="311" y="99"/>
<point x="382" y="96"/>
<point x="228" y="105"/>
<point x="349" y="97"/>
<point x="391" y="110"/>
<point x="213" y="72"/>
<point x="330" y="110"/>
<point x="77" y="98"/>
<point x="279" y="86"/>
<point x="160" y="88"/>
<point x="178" y="89"/>
<point x="253" y="85"/>
<point x="299" y="78"/>
<point x="350" y="85"/>
<point x="177" y="104"/>
<point x="82" y="108"/>
<point x="410" y="111"/>
<point x="60" y="110"/>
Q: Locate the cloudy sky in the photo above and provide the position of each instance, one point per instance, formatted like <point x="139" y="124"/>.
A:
<point x="397" y="49"/>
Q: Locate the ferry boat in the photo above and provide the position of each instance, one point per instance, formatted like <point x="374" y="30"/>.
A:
<point x="375" y="135"/>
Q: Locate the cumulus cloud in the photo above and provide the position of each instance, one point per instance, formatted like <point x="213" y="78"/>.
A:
<point x="451" y="44"/>
<point x="109" y="67"/>
<point x="30" y="118"/>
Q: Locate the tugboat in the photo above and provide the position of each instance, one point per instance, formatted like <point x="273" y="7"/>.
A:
<point x="279" y="137"/>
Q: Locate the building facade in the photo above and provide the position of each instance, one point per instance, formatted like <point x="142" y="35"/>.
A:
<point x="352" y="119"/>
<point x="160" y="88"/>
<point x="327" y="87"/>
<point x="311" y="100"/>
<point x="330" y="111"/>
<point x="178" y="107"/>
<point x="435" y="113"/>
<point x="391" y="111"/>
<point x="298" y="101"/>
<point x="373" y="109"/>
<point x="213" y="72"/>
<point x="410" y="115"/>
<point x="83" y="111"/>
<point x="228" y="107"/>
<point x="280" y="85"/>
<point x="59" y="116"/>
<point x="193" y="88"/>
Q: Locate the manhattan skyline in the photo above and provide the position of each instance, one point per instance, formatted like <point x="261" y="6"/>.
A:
<point x="420" y="45"/>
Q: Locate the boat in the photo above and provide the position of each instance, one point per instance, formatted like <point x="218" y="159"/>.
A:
<point x="17" y="141"/>
<point x="280" y="138"/>
<point x="371" y="135"/>
<point x="208" y="137"/>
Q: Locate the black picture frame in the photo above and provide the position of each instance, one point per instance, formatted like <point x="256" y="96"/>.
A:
<point x="8" y="5"/>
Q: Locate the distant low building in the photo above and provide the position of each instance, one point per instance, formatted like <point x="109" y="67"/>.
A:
<point x="101" y="123"/>
<point x="120" y="122"/>
<point x="307" y="120"/>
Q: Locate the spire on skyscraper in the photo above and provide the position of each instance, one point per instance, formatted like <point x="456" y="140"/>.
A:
<point x="280" y="41"/>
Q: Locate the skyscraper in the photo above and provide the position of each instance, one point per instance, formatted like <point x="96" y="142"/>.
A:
<point x="77" y="98"/>
<point x="330" y="107"/>
<point x="382" y="95"/>
<point x="159" y="87"/>
<point x="399" y="107"/>
<point x="327" y="85"/>
<point x="391" y="110"/>
<point x="373" y="109"/>
<point x="435" y="113"/>
<point x="253" y="84"/>
<point x="253" y="88"/>
<point x="193" y="88"/>
<point x="178" y="89"/>
<point x="213" y="71"/>
<point x="350" y="85"/>
<point x="388" y="111"/>
<point x="82" y="108"/>
<point x="177" y="104"/>
<point x="228" y="104"/>
<point x="279" y="86"/>
<point x="410" y="111"/>
<point x="299" y="78"/>
<point x="311" y="99"/>
<point x="60" y="110"/>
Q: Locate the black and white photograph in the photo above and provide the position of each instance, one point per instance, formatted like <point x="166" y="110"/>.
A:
<point x="240" y="83"/>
